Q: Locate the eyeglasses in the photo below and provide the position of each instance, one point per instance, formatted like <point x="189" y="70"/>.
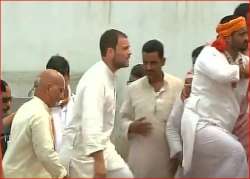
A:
<point x="6" y="99"/>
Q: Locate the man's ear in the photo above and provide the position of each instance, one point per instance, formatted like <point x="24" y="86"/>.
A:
<point x="110" y="52"/>
<point x="49" y="87"/>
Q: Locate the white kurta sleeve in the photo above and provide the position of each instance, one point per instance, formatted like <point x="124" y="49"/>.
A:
<point x="126" y="115"/>
<point x="216" y="67"/>
<point x="44" y="147"/>
<point x="173" y="128"/>
<point x="93" y="99"/>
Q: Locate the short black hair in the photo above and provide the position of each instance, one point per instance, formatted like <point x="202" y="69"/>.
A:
<point x="196" y="52"/>
<point x="138" y="71"/>
<point x="4" y="85"/>
<point x="59" y="64"/>
<point x="109" y="39"/>
<point x="154" y="46"/>
<point x="242" y="10"/>
<point x="228" y="18"/>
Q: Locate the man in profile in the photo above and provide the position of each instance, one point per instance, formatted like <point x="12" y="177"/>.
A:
<point x="31" y="152"/>
<point x="87" y="150"/>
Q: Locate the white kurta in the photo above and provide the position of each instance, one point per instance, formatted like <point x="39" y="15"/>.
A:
<point x="149" y="156"/>
<point x="61" y="118"/>
<point x="173" y="127"/>
<point x="31" y="151"/>
<point x="92" y="124"/>
<point x="213" y="102"/>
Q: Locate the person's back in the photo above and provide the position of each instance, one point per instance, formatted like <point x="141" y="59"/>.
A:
<point x="21" y="129"/>
<point x="31" y="152"/>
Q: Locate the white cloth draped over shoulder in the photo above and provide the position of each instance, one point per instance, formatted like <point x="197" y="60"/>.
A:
<point x="213" y="101"/>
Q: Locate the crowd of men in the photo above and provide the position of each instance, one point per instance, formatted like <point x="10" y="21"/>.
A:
<point x="195" y="129"/>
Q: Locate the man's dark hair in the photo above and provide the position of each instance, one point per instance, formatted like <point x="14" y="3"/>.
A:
<point x="136" y="72"/>
<point x="4" y="85"/>
<point x="109" y="39"/>
<point x="59" y="64"/>
<point x="242" y="10"/>
<point x="196" y="52"/>
<point x="228" y="18"/>
<point x="153" y="46"/>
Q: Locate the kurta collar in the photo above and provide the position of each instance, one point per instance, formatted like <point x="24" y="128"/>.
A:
<point x="165" y="83"/>
<point x="38" y="100"/>
<point x="230" y="59"/>
<point x="111" y="75"/>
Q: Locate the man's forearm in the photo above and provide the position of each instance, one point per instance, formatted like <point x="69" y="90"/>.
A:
<point x="99" y="164"/>
<point x="98" y="156"/>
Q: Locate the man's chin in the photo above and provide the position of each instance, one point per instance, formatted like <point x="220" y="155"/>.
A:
<point x="124" y="66"/>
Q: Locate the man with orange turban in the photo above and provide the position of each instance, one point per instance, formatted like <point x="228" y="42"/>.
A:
<point x="219" y="87"/>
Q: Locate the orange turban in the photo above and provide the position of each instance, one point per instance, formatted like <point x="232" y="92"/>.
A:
<point x="226" y="29"/>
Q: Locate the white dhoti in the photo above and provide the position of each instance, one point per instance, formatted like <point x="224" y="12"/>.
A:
<point x="217" y="154"/>
<point x="210" y="113"/>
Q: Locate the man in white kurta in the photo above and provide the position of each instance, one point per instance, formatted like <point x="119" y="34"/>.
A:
<point x="173" y="126"/>
<point x="61" y="118"/>
<point x="218" y="89"/>
<point x="148" y="155"/>
<point x="31" y="152"/>
<point x="89" y="131"/>
<point x="62" y="113"/>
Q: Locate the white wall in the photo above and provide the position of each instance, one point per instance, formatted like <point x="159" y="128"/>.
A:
<point x="34" y="31"/>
